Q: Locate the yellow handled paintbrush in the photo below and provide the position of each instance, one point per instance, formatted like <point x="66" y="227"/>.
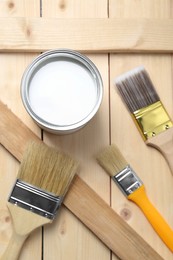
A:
<point x="43" y="179"/>
<point x="130" y="184"/>
<point x="148" y="112"/>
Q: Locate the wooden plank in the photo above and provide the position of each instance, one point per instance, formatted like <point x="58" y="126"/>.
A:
<point x="12" y="67"/>
<point x="83" y="145"/>
<point x="147" y="162"/>
<point x="86" y="35"/>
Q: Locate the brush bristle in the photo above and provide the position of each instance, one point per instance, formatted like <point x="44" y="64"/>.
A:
<point x="47" y="169"/>
<point x="112" y="160"/>
<point x="136" y="89"/>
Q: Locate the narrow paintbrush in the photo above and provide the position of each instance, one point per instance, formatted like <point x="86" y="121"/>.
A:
<point x="43" y="179"/>
<point x="123" y="175"/>
<point x="148" y="112"/>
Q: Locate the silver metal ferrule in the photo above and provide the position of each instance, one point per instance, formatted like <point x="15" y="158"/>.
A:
<point x="35" y="200"/>
<point x="127" y="180"/>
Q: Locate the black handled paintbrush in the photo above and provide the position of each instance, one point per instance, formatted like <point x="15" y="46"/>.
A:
<point x="147" y="110"/>
<point x="42" y="182"/>
<point x="130" y="184"/>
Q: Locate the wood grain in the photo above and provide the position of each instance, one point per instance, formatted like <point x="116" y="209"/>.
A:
<point x="98" y="35"/>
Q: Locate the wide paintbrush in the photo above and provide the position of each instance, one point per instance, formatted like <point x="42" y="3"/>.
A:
<point x="42" y="182"/>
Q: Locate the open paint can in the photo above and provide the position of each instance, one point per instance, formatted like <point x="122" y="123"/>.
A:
<point x="61" y="90"/>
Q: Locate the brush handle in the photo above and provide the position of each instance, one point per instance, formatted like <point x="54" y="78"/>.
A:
<point x="14" y="247"/>
<point x="154" y="217"/>
<point x="101" y="219"/>
<point x="24" y="222"/>
<point x="164" y="143"/>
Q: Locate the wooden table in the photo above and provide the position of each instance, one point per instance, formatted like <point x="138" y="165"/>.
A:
<point x="68" y="238"/>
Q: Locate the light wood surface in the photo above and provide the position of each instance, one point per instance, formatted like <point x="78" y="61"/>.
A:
<point x="82" y="145"/>
<point x="68" y="238"/>
<point x="149" y="164"/>
<point x="12" y="67"/>
<point x="108" y="35"/>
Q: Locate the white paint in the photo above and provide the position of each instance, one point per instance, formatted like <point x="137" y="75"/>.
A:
<point x="62" y="92"/>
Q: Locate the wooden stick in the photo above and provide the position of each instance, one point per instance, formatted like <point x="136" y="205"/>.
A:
<point x="105" y="223"/>
<point x="86" y="35"/>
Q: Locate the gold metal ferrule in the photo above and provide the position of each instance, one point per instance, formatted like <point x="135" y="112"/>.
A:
<point x="152" y="120"/>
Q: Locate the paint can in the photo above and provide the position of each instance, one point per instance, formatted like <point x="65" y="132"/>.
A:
<point x="61" y="90"/>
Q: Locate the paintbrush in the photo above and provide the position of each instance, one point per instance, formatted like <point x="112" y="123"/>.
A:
<point x="43" y="179"/>
<point x="110" y="227"/>
<point x="147" y="110"/>
<point x="130" y="184"/>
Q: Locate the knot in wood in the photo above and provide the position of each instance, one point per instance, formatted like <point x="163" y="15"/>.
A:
<point x="126" y="214"/>
<point x="62" y="4"/>
<point x="11" y="5"/>
<point x="5" y="219"/>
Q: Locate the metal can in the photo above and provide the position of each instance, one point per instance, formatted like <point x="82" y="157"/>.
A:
<point x="61" y="90"/>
